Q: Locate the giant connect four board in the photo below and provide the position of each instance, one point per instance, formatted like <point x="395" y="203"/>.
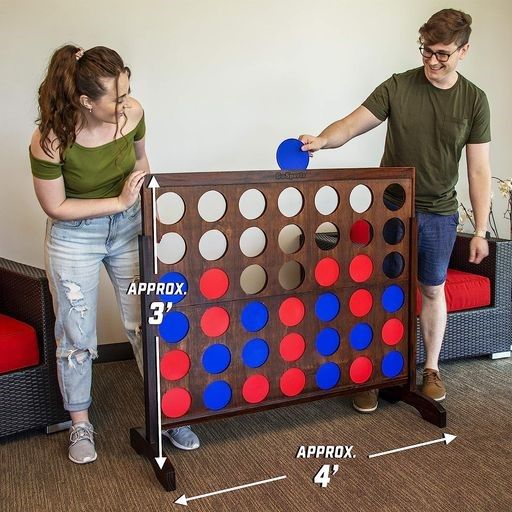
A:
<point x="274" y="288"/>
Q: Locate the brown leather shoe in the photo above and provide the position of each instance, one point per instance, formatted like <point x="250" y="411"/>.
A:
<point x="433" y="386"/>
<point x="366" y="401"/>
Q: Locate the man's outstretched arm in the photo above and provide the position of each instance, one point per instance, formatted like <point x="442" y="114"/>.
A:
<point x="340" y="132"/>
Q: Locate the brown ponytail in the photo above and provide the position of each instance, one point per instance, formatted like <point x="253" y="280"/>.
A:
<point x="71" y="74"/>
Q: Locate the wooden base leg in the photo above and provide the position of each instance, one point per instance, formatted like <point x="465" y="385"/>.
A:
<point x="430" y="410"/>
<point x="140" y="444"/>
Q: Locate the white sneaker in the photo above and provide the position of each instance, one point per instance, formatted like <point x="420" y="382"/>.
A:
<point x="182" y="437"/>
<point x="81" y="443"/>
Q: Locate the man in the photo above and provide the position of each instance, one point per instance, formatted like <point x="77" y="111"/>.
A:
<point x="433" y="113"/>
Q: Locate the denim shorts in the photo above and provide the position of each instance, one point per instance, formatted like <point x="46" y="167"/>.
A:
<point x="436" y="238"/>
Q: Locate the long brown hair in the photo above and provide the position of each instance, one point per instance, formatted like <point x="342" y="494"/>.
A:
<point x="69" y="76"/>
<point x="446" y="26"/>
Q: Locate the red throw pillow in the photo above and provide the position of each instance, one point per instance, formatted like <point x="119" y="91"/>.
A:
<point x="18" y="345"/>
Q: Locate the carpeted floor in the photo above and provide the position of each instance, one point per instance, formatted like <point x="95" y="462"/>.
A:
<point x="473" y="473"/>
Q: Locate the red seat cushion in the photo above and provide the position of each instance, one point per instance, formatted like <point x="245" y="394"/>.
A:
<point x="463" y="291"/>
<point x="18" y="345"/>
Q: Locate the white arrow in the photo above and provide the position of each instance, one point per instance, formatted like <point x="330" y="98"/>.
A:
<point x="448" y="438"/>
<point x="153" y="184"/>
<point x="183" y="500"/>
<point x="159" y="460"/>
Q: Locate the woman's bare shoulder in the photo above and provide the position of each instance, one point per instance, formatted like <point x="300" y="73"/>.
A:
<point x="38" y="152"/>
<point x="133" y="114"/>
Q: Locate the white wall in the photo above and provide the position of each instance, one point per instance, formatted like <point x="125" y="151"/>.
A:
<point x="223" y="82"/>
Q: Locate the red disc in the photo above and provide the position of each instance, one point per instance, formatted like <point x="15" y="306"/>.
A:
<point x="327" y="272"/>
<point x="292" y="347"/>
<point x="292" y="382"/>
<point x="174" y="365"/>
<point x="392" y="331"/>
<point x="176" y="402"/>
<point x="361" y="233"/>
<point x="360" y="303"/>
<point x="255" y="389"/>
<point x="291" y="311"/>
<point x="214" y="283"/>
<point x="361" y="370"/>
<point x="215" y="322"/>
<point x="360" y="268"/>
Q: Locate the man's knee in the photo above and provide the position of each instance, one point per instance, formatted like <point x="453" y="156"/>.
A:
<point x="432" y="293"/>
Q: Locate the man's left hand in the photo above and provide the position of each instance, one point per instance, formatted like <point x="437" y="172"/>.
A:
<point x="478" y="249"/>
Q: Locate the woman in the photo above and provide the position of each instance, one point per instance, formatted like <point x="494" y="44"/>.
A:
<point x="88" y="160"/>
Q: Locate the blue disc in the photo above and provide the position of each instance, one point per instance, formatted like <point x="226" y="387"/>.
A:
<point x="327" y="341"/>
<point x="255" y="353"/>
<point x="290" y="157"/>
<point x="178" y="287"/>
<point x="393" y="298"/>
<point x="217" y="395"/>
<point x="360" y="336"/>
<point x="328" y="375"/>
<point x="174" y="327"/>
<point x="216" y="358"/>
<point x="327" y="307"/>
<point x="392" y="364"/>
<point x="254" y="316"/>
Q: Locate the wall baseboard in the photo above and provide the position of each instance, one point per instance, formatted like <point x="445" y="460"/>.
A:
<point x="111" y="352"/>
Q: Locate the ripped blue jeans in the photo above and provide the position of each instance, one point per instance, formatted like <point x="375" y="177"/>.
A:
<point x="74" y="253"/>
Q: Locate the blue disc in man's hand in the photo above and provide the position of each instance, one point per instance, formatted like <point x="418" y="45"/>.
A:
<point x="290" y="157"/>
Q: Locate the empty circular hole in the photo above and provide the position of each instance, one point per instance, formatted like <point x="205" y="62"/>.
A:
<point x="290" y="202"/>
<point x="213" y="245"/>
<point x="252" y="204"/>
<point x="253" y="279"/>
<point x="360" y="198"/>
<point x="171" y="248"/>
<point x="394" y="197"/>
<point x="290" y="239"/>
<point x="326" y="200"/>
<point x="291" y="275"/>
<point x="393" y="231"/>
<point x="393" y="265"/>
<point x="361" y="233"/>
<point x="170" y="208"/>
<point x="253" y="242"/>
<point x="211" y="206"/>
<point x="327" y="236"/>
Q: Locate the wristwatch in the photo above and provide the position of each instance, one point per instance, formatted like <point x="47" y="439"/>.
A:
<point x="481" y="233"/>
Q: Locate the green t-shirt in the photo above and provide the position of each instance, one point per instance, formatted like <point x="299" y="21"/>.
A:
<point x="427" y="129"/>
<point x="93" y="173"/>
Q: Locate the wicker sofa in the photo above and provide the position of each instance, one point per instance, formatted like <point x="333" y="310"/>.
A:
<point x="30" y="397"/>
<point x="482" y="331"/>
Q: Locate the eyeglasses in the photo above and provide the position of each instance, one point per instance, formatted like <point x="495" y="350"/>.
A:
<point x="440" y="56"/>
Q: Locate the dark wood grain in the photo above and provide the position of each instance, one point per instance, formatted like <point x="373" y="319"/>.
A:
<point x="231" y="184"/>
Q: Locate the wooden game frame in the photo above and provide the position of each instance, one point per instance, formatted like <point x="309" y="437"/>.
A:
<point x="146" y="440"/>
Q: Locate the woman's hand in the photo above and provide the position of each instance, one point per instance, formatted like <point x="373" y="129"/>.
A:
<point x="131" y="189"/>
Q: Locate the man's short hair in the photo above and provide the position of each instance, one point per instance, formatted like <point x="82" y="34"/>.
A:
<point x="446" y="27"/>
